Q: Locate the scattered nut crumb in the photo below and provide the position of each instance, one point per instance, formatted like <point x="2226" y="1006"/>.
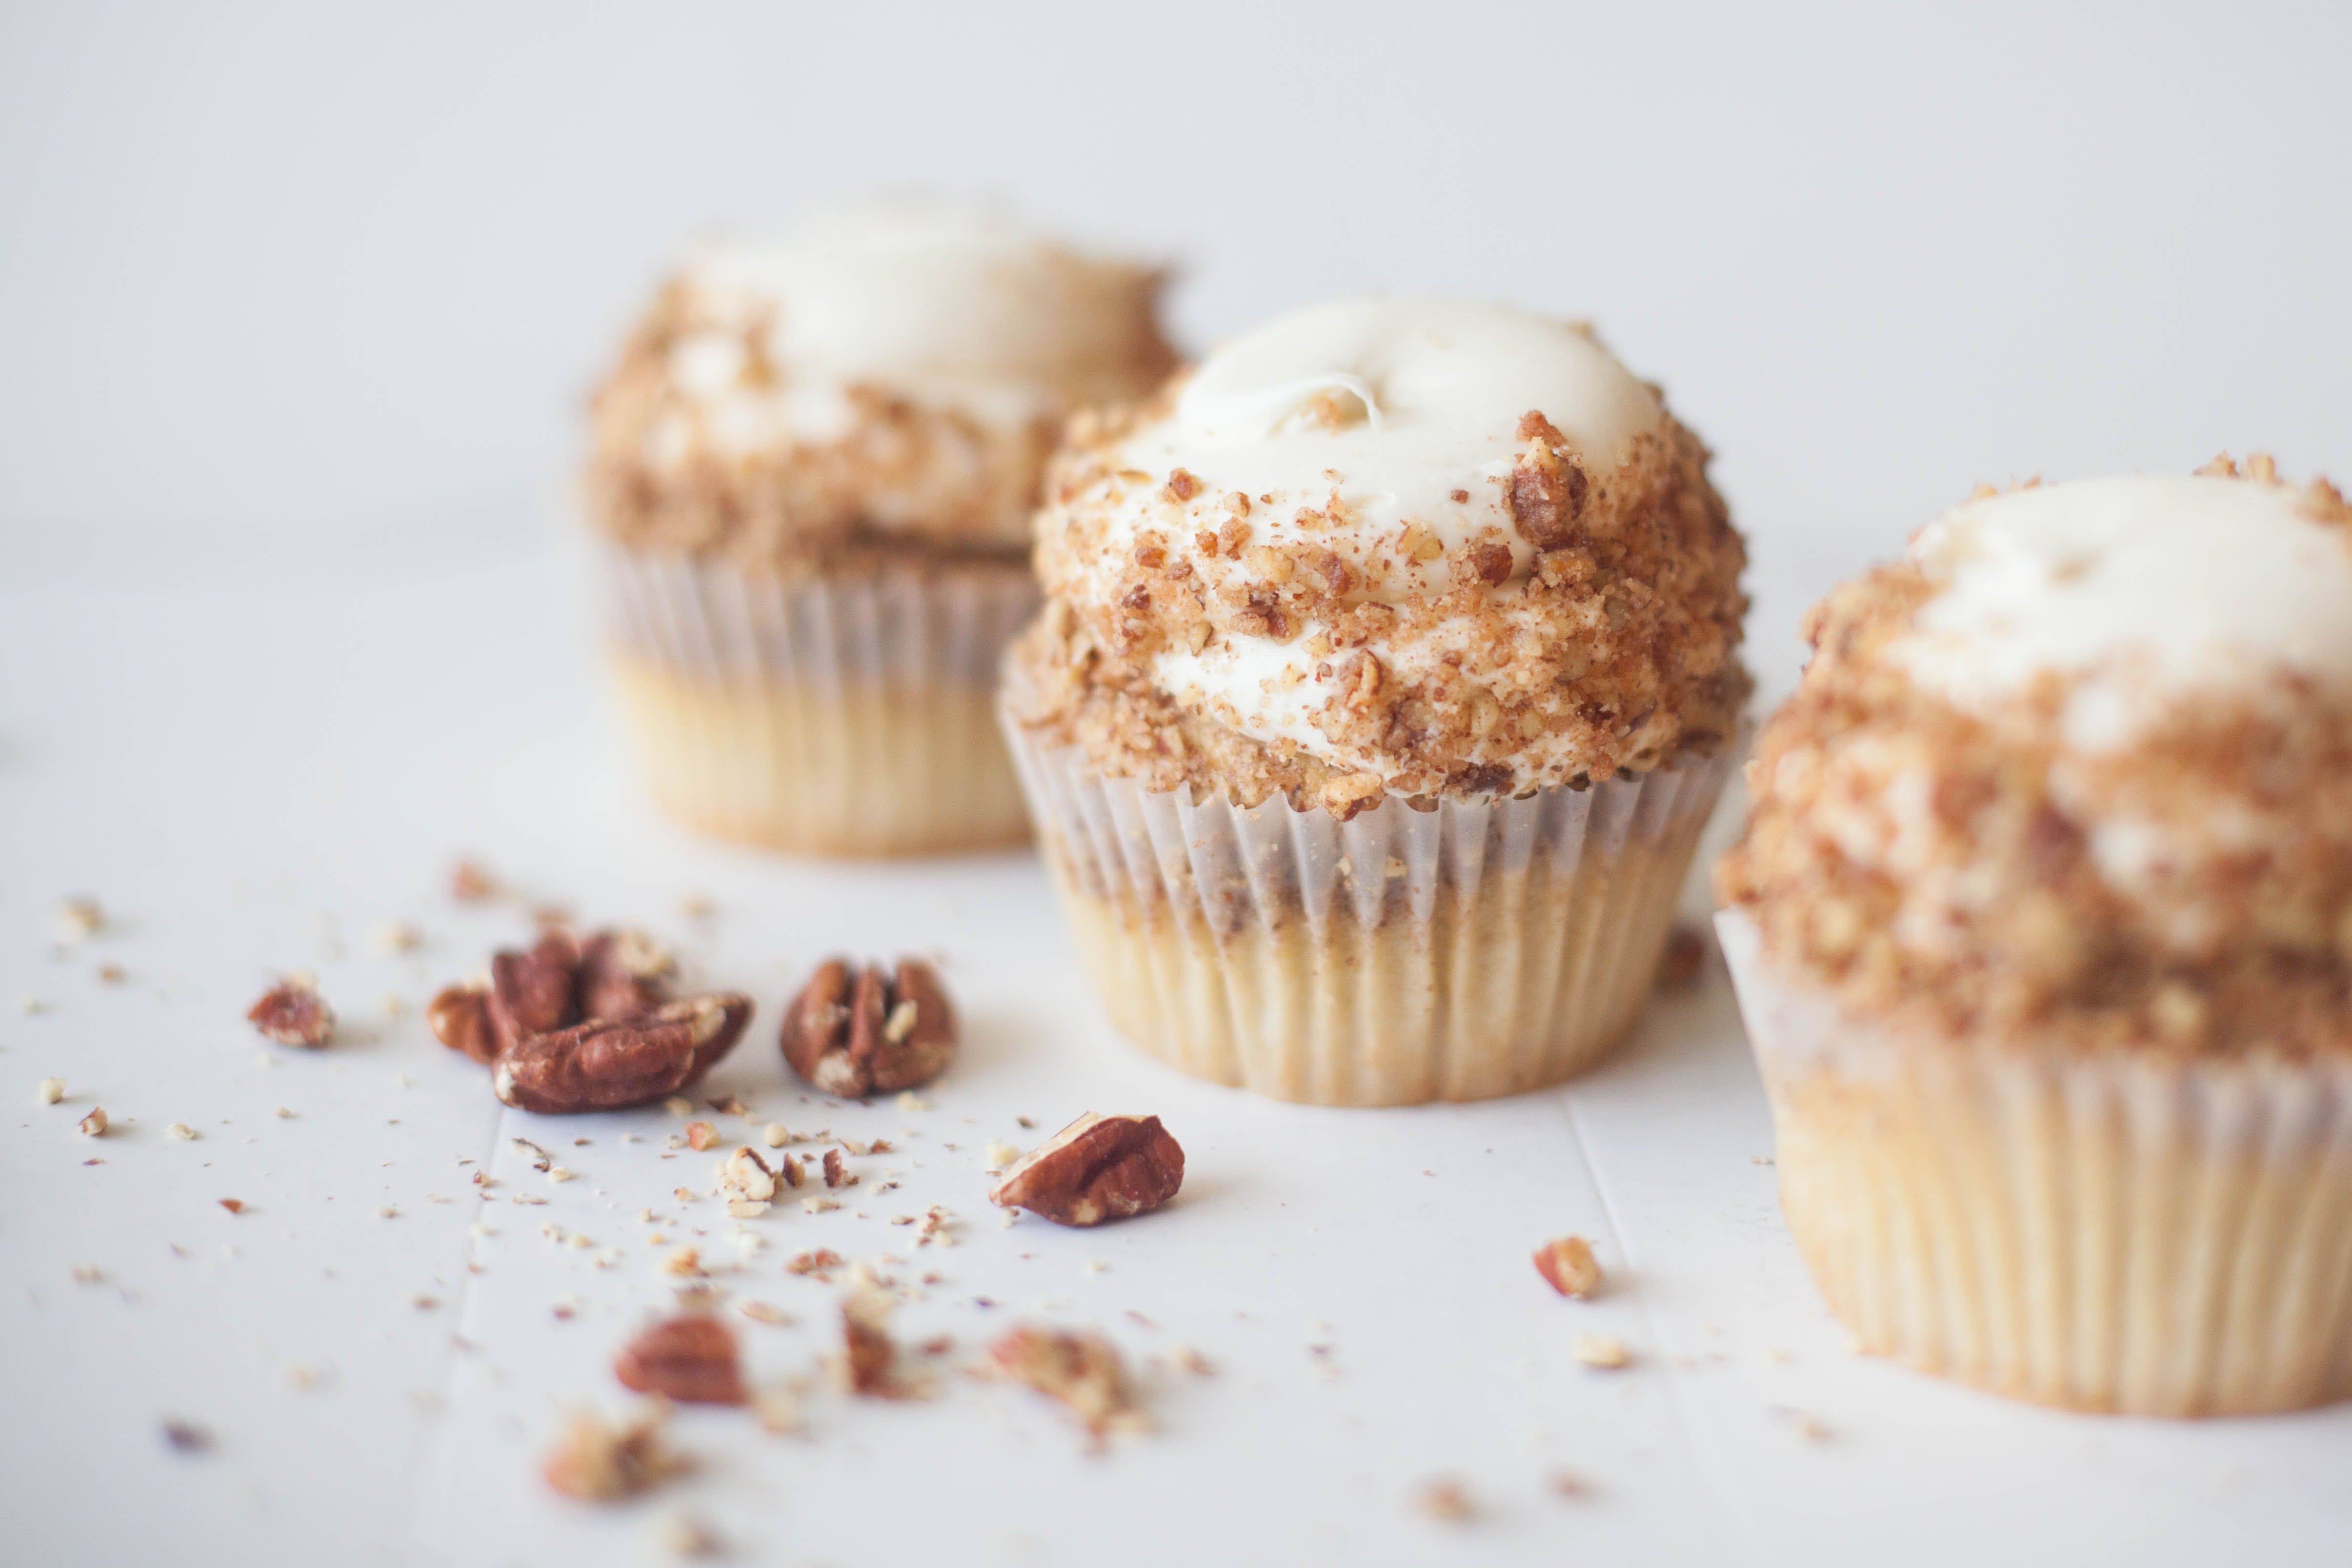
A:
<point x="1569" y="1266"/>
<point x="692" y="1359"/>
<point x="774" y="1136"/>
<point x="88" y="1274"/>
<point x="869" y="1357"/>
<point x="765" y="1312"/>
<point x="1187" y="1359"/>
<point x="679" y="1105"/>
<point x="79" y="919"/>
<point x="234" y="1205"/>
<point x="1684" y="955"/>
<point x="1606" y="1351"/>
<point x="94" y="1124"/>
<point x="999" y="1155"/>
<point x="185" y="1133"/>
<point x="186" y="1436"/>
<point x="599" y="1461"/>
<point x="53" y="1090"/>
<point x="700" y="1135"/>
<point x="778" y="1411"/>
<point x="471" y="883"/>
<point x="283" y="1114"/>
<point x="684" y="1537"/>
<point x="686" y="1260"/>
<point x="1567" y="1484"/>
<point x="1081" y="1370"/>
<point x="397" y="936"/>
<point x="813" y="1262"/>
<point x="292" y="1013"/>
<point x="1445" y="1500"/>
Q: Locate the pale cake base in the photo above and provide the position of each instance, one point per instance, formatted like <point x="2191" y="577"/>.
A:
<point x="867" y="769"/>
<point x="2131" y="1233"/>
<point x="1516" y="983"/>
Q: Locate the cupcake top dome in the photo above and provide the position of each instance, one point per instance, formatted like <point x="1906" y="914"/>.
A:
<point x="887" y="367"/>
<point x="1402" y="546"/>
<point x="2145" y="592"/>
<point x="2080" y="767"/>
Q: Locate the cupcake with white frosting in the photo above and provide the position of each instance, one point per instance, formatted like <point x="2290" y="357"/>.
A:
<point x="813" y="470"/>
<point x="1388" y="673"/>
<point x="2043" y="928"/>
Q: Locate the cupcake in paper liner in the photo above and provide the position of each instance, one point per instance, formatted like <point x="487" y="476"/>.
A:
<point x="2042" y="926"/>
<point x="1387" y="675"/>
<point x="813" y="474"/>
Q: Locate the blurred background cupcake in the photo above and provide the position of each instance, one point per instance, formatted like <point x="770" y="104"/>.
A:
<point x="813" y="470"/>
<point x="2043" y="929"/>
<point x="1388" y="673"/>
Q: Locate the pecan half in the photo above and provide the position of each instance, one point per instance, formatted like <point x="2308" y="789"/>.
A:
<point x="624" y="974"/>
<point x="531" y="993"/>
<point x="1082" y="1371"/>
<point x="600" y="1066"/>
<point x="1097" y="1168"/>
<point x="292" y="1013"/>
<point x="460" y="1018"/>
<point x="692" y="1360"/>
<point x="856" y="1032"/>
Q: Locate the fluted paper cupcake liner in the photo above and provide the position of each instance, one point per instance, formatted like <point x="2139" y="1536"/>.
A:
<point x="1406" y="955"/>
<point x="2128" y="1231"/>
<point x="849" y="715"/>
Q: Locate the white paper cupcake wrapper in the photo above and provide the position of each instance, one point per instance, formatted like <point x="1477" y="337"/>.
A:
<point x="707" y="620"/>
<point x="847" y="716"/>
<point x="2127" y="1231"/>
<point x="1402" y="956"/>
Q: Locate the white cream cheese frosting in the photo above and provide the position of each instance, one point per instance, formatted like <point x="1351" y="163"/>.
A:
<point x="953" y="307"/>
<point x="2150" y="590"/>
<point x="1383" y="431"/>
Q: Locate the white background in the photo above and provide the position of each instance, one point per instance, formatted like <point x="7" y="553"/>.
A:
<point x="298" y="308"/>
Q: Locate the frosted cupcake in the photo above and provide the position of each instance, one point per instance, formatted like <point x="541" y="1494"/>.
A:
<point x="813" y="471"/>
<point x="1387" y="674"/>
<point x="2043" y="928"/>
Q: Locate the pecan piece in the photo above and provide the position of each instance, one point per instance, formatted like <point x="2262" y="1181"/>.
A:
<point x="600" y="1066"/>
<point x="869" y="1355"/>
<point x="531" y="993"/>
<point x="1097" y="1168"/>
<point x="1082" y="1371"/>
<point x="1567" y="1265"/>
<point x="460" y="1018"/>
<point x="1547" y="485"/>
<point x="292" y="1013"/>
<point x="855" y="1032"/>
<point x="623" y="974"/>
<point x="692" y="1360"/>
<point x="599" y="1461"/>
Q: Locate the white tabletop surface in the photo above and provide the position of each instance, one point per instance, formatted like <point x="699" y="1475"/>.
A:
<point x="256" y="769"/>
<point x="296" y="304"/>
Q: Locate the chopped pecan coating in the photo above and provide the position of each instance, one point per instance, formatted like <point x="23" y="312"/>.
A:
<point x="856" y="1032"/>
<point x="690" y="1359"/>
<point x="1549" y="485"/>
<point x="1097" y="1168"/>
<point x="292" y="1013"/>
<point x="600" y="1066"/>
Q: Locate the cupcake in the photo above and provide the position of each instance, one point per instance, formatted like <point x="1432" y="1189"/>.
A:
<point x="1387" y="674"/>
<point x="2043" y="928"/>
<point x="812" y="476"/>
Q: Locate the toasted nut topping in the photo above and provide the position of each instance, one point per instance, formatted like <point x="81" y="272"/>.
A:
<point x="601" y="1462"/>
<point x="1568" y="1263"/>
<point x="1097" y="1168"/>
<point x="690" y="1359"/>
<point x="293" y="1013"/>
<point x="856" y="1032"/>
<point x="1082" y="1371"/>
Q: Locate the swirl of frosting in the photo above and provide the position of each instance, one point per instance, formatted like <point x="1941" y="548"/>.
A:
<point x="2150" y="589"/>
<point x="1474" y="514"/>
<point x="902" y="366"/>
